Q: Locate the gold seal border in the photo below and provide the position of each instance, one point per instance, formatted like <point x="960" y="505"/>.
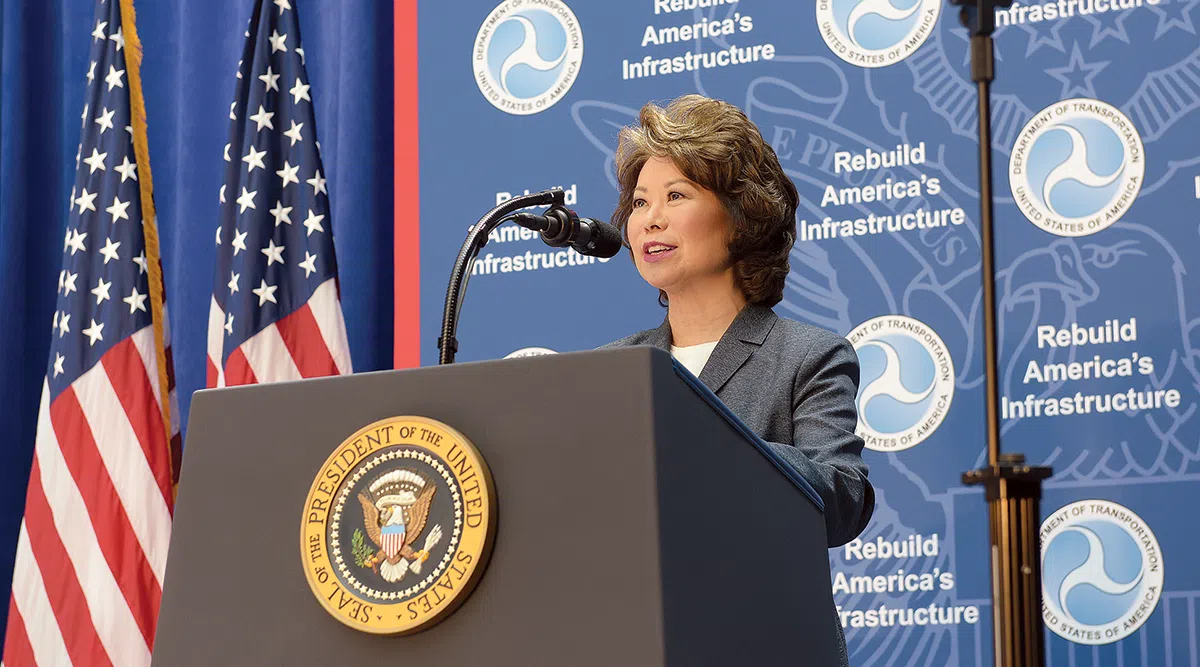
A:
<point x="475" y="543"/>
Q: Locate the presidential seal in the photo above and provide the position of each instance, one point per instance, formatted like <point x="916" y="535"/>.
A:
<point x="398" y="526"/>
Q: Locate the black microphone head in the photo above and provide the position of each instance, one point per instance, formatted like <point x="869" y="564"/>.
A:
<point x="604" y="240"/>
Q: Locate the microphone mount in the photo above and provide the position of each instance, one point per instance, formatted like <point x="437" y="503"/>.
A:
<point x="556" y="225"/>
<point x="560" y="227"/>
<point x="477" y="237"/>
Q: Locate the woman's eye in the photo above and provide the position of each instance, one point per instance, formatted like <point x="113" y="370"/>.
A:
<point x="638" y="203"/>
<point x="674" y="195"/>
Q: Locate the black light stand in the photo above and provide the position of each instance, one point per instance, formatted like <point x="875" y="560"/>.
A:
<point x="476" y="239"/>
<point x="1012" y="488"/>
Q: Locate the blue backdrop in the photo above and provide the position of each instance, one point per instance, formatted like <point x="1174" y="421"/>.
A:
<point x="871" y="110"/>
<point x="191" y="52"/>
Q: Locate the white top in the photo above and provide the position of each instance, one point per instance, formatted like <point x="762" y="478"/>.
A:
<point x="694" y="357"/>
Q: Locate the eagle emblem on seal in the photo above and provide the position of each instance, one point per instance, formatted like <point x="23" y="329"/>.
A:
<point x="395" y="509"/>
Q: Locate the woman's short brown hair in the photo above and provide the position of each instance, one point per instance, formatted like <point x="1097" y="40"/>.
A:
<point x="716" y="146"/>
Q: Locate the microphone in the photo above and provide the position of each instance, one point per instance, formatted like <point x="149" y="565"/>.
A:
<point x="560" y="226"/>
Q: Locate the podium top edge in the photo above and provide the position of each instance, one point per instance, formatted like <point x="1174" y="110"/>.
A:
<point x="425" y="369"/>
<point x="659" y="355"/>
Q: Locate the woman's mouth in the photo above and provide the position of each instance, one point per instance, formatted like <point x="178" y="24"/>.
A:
<point x="656" y="252"/>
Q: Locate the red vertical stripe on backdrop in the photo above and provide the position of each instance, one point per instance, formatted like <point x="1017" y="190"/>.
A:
<point x="17" y="650"/>
<point x="62" y="583"/>
<point x="237" y="370"/>
<point x="302" y="338"/>
<point x="407" y="229"/>
<point x="114" y="532"/>
<point x="127" y="373"/>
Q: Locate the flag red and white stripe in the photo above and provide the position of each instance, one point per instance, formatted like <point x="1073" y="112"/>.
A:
<point x="310" y="342"/>
<point x="92" y="550"/>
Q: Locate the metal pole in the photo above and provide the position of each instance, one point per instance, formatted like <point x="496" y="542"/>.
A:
<point x="1012" y="488"/>
<point x="983" y="71"/>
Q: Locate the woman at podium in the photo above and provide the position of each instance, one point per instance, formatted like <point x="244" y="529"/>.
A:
<point x="710" y="217"/>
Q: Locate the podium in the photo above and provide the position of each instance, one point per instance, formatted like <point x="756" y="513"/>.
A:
<point x="639" y="523"/>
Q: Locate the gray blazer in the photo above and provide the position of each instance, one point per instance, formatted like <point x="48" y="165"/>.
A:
<point x="795" y="386"/>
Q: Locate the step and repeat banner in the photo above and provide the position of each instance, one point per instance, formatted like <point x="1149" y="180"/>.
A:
<point x="869" y="105"/>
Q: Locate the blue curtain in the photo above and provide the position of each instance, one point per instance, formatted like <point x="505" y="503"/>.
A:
<point x="191" y="53"/>
<point x="36" y="162"/>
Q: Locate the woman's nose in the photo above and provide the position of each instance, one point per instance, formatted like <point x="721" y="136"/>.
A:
<point x="655" y="219"/>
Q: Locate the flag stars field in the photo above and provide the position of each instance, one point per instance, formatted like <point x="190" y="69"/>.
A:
<point x="270" y="80"/>
<point x="281" y="213"/>
<point x="127" y="169"/>
<point x="114" y="78"/>
<point x="288" y="174"/>
<point x="263" y="119"/>
<point x="119" y="209"/>
<point x="317" y="183"/>
<point x="136" y="301"/>
<point x="101" y="290"/>
<point x="109" y="251"/>
<point x="313" y="222"/>
<point x="239" y="242"/>
<point x="309" y="263"/>
<point x="104" y="120"/>
<point x="86" y="199"/>
<point x="273" y="252"/>
<point x="300" y="92"/>
<point x="278" y="42"/>
<point x="254" y="158"/>
<point x="96" y="161"/>
<point x="246" y="200"/>
<point x="293" y="133"/>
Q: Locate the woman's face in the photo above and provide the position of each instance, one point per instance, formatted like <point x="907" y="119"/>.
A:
<point x="679" y="231"/>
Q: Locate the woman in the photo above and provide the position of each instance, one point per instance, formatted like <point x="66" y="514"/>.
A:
<point x="710" y="217"/>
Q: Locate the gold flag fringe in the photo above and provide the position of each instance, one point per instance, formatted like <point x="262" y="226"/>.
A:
<point x="141" y="149"/>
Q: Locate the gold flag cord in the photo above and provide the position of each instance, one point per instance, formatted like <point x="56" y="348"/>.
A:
<point x="137" y="102"/>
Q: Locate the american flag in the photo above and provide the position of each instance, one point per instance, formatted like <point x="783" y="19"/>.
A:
<point x="275" y="313"/>
<point x="92" y="547"/>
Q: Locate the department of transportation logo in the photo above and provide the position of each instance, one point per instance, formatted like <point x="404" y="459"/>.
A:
<point x="398" y="526"/>
<point x="1077" y="167"/>
<point x="1102" y="572"/>
<point x="527" y="55"/>
<point x="876" y="33"/>
<point x="906" y="381"/>
<point x="530" y="352"/>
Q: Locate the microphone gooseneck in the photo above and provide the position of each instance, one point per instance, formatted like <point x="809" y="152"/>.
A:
<point x="476" y="238"/>
<point x="559" y="227"/>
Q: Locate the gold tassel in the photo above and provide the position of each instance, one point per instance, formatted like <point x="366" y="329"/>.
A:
<point x="141" y="149"/>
